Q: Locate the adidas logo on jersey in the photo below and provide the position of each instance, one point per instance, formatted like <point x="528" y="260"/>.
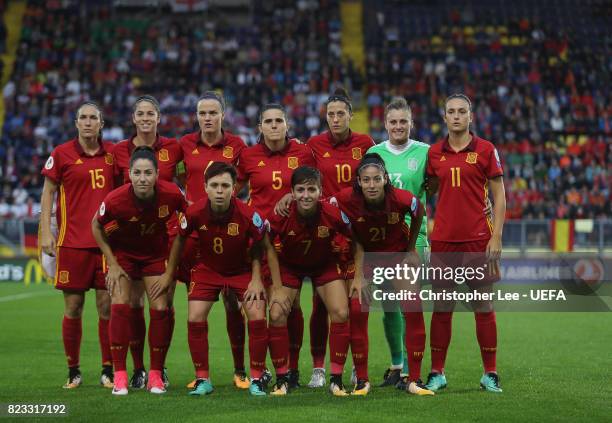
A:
<point x="203" y="228"/>
<point x="195" y="151"/>
<point x="291" y="233"/>
<point x="261" y="164"/>
<point x="78" y="161"/>
<point x="134" y="219"/>
<point x="442" y="159"/>
<point x="326" y="155"/>
<point x="360" y="219"/>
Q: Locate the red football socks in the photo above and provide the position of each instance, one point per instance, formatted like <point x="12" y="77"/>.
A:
<point x="295" y="327"/>
<point x="279" y="348"/>
<point x="486" y="332"/>
<point x="103" y="337"/>
<point x="138" y="330"/>
<point x="235" y="330"/>
<point x="159" y="336"/>
<point x="441" y="330"/>
<point x="172" y="322"/>
<point x="339" y="338"/>
<point x="71" y="335"/>
<point x="359" y="338"/>
<point x="258" y="346"/>
<point x="319" y="330"/>
<point x="197" y="336"/>
<point x="415" y="343"/>
<point x="119" y="334"/>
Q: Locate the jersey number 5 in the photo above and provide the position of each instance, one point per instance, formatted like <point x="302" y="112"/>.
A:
<point x="277" y="181"/>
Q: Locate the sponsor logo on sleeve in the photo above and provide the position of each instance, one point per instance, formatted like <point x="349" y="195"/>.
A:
<point x="102" y="208"/>
<point x="413" y="205"/>
<point x="183" y="222"/>
<point x="49" y="163"/>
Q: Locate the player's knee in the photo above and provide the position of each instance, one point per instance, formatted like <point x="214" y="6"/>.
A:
<point x="339" y="315"/>
<point x="103" y="306"/>
<point x="136" y="300"/>
<point x="74" y="310"/>
<point x="277" y="316"/>
<point x="255" y="310"/>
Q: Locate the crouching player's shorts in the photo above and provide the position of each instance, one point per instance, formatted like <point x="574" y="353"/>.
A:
<point x="206" y="284"/>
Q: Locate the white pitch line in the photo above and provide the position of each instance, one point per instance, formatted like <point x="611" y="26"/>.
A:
<point x="16" y="297"/>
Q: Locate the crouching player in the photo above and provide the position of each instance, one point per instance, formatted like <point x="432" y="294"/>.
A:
<point x="305" y="237"/>
<point x="226" y="229"/>
<point x="130" y="228"/>
<point x="377" y="213"/>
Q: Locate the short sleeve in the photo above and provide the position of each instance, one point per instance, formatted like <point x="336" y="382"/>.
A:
<point x="429" y="169"/>
<point x="408" y="202"/>
<point x="53" y="167"/>
<point x="342" y="224"/>
<point x="186" y="223"/>
<point x="493" y="166"/>
<point x="105" y="213"/>
<point x="257" y="227"/>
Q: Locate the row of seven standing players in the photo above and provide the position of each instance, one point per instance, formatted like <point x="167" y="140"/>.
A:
<point x="215" y="232"/>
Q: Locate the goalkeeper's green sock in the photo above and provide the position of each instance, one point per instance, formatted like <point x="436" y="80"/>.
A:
<point x="393" y="322"/>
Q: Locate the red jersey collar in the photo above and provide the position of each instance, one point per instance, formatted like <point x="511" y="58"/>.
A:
<point x="138" y="203"/>
<point x="470" y="147"/>
<point x="221" y="219"/>
<point x="280" y="152"/>
<point x="335" y="143"/>
<point x="156" y="145"/>
<point x="77" y="146"/>
<point x="221" y="143"/>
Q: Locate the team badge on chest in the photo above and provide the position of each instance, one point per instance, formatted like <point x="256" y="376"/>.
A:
<point x="232" y="229"/>
<point x="163" y="156"/>
<point x="228" y="152"/>
<point x="163" y="211"/>
<point x="393" y="218"/>
<point x="356" y="153"/>
<point x="108" y="159"/>
<point x="471" y="158"/>
<point x="292" y="162"/>
<point x="323" y="231"/>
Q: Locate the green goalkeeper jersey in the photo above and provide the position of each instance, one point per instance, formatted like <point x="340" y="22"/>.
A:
<point x="406" y="166"/>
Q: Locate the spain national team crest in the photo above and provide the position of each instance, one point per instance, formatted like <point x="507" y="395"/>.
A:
<point x="323" y="231"/>
<point x="232" y="229"/>
<point x="228" y="152"/>
<point x="393" y="218"/>
<point x="64" y="276"/>
<point x="163" y="155"/>
<point x="108" y="159"/>
<point x="356" y="153"/>
<point x="163" y="211"/>
<point x="471" y="158"/>
<point x="292" y="162"/>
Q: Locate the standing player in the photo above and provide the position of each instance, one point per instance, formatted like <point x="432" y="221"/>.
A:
<point x="200" y="149"/>
<point x="131" y="229"/>
<point x="465" y="167"/>
<point x="377" y="212"/>
<point x="268" y="166"/>
<point x="80" y="171"/>
<point x="306" y="237"/>
<point x="405" y="160"/>
<point x="146" y="115"/>
<point x="227" y="231"/>
<point x="337" y="152"/>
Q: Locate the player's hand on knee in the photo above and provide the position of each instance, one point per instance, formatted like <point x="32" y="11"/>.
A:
<point x="113" y="276"/>
<point x="280" y="297"/>
<point x="160" y="286"/>
<point x="255" y="291"/>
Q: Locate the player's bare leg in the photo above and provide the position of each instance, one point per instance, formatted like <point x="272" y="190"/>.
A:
<point x="236" y="329"/>
<point x="71" y="335"/>
<point x="159" y="335"/>
<point x="335" y="297"/>
<point x="138" y="330"/>
<point x="103" y="304"/>
<point x="197" y="335"/>
<point x="255" y="311"/>
<point x="120" y="333"/>
<point x="279" y="341"/>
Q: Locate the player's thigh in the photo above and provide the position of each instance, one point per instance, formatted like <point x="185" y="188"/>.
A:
<point x="230" y="301"/>
<point x="198" y="311"/>
<point x="121" y="292"/>
<point x="335" y="297"/>
<point x="159" y="303"/>
<point x="278" y="316"/>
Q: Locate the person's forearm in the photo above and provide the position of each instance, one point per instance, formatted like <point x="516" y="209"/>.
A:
<point x="175" y="253"/>
<point x="102" y="241"/>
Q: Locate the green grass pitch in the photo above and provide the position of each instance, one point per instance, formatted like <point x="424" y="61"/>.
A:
<point x="553" y="367"/>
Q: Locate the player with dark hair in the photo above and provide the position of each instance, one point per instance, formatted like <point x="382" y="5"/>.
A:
<point x="377" y="212"/>
<point x="200" y="149"/>
<point x="146" y="115"/>
<point x="465" y="167"/>
<point x="268" y="167"/>
<point x="131" y="229"/>
<point x="306" y="250"/>
<point x="80" y="171"/>
<point x="231" y="238"/>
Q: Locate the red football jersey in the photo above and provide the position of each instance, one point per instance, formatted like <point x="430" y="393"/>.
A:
<point x="338" y="162"/>
<point x="83" y="182"/>
<point x="198" y="156"/>
<point x="379" y="230"/>
<point x="269" y="172"/>
<point x="168" y="152"/>
<point x="224" y="240"/>
<point x="464" y="178"/>
<point x="306" y="245"/>
<point x="138" y="229"/>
